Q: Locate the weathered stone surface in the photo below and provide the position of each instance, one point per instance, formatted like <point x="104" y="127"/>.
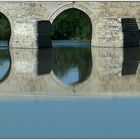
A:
<point x="24" y="61"/>
<point x="105" y="18"/>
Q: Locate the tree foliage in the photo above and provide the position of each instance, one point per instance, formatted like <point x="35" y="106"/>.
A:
<point x="72" y="24"/>
<point x="5" y="29"/>
<point x="4" y="56"/>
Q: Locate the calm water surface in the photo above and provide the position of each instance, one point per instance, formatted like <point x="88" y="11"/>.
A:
<point x="67" y="118"/>
<point x="71" y="61"/>
<point x="72" y="65"/>
<point x="70" y="118"/>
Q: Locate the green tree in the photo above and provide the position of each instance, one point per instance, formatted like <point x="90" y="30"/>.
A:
<point x="5" y="30"/>
<point x="72" y="24"/>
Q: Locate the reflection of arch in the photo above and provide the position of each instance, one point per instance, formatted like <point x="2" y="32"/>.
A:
<point x="8" y="16"/>
<point x="69" y="60"/>
<point x="7" y="72"/>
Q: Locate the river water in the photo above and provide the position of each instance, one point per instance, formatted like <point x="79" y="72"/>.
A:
<point x="70" y="61"/>
<point x="67" y="117"/>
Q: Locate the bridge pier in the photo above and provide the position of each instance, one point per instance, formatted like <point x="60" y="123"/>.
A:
<point x="24" y="35"/>
<point x="108" y="33"/>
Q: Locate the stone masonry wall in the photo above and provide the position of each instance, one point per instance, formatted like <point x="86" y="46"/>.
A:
<point x="105" y="17"/>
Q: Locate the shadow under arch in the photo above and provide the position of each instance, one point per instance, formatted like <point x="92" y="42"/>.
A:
<point x="5" y="58"/>
<point x="72" y="56"/>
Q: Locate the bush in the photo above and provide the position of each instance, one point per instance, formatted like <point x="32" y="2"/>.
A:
<point x="5" y="30"/>
<point x="72" y="24"/>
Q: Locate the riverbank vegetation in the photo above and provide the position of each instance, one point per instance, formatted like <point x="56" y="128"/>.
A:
<point x="68" y="25"/>
<point x="72" y="24"/>
<point x="5" y="30"/>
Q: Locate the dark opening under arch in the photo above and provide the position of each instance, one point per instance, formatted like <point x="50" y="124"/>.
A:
<point x="5" y="28"/>
<point x="72" y="24"/>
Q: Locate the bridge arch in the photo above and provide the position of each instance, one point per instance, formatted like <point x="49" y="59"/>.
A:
<point x="80" y="7"/>
<point x="8" y="16"/>
<point x="5" y="35"/>
<point x="72" y="5"/>
<point x="87" y="12"/>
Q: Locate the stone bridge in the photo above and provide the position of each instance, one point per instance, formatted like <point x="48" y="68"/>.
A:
<point x="105" y="19"/>
<point x="109" y="55"/>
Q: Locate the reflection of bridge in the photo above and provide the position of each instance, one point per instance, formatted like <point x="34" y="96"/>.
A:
<point x="110" y="23"/>
<point x="104" y="80"/>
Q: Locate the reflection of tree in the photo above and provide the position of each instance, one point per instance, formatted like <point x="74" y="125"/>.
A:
<point x="72" y="24"/>
<point x="66" y="58"/>
<point x="4" y="56"/>
<point x="4" y="28"/>
<point x="4" y="63"/>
